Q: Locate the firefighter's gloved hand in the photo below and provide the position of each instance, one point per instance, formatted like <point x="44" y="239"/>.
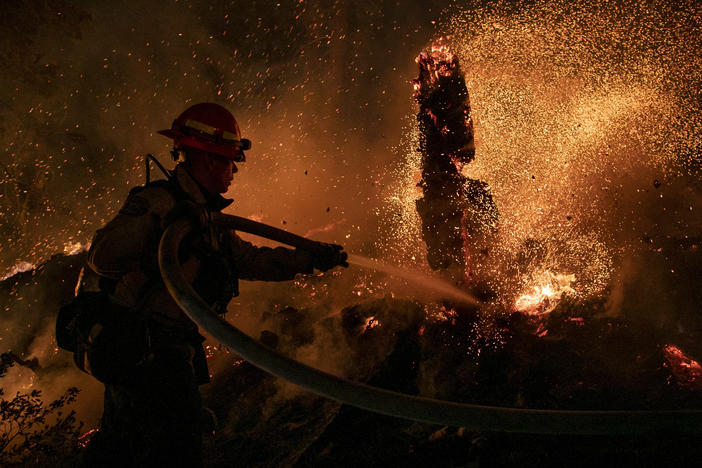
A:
<point x="198" y="214"/>
<point x="327" y="256"/>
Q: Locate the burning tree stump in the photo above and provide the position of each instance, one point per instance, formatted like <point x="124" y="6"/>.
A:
<point x="457" y="212"/>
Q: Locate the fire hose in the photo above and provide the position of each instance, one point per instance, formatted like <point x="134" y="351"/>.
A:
<point x="415" y="408"/>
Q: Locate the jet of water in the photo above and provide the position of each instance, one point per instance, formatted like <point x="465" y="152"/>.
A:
<point x="418" y="278"/>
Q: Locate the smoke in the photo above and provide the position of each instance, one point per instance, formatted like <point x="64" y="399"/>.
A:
<point x="27" y="323"/>
<point x="319" y="88"/>
<point x="586" y="118"/>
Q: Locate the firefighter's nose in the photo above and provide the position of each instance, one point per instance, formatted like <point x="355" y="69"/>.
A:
<point x="234" y="169"/>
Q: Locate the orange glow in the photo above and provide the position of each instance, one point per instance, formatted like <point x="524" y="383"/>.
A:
<point x="439" y="61"/>
<point x="85" y="438"/>
<point x="545" y="296"/>
<point x="72" y="248"/>
<point x="686" y="370"/>
<point x="20" y="267"/>
<point x="371" y="322"/>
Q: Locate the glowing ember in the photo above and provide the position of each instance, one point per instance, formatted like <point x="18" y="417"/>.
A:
<point x="371" y="322"/>
<point x="85" y="438"/>
<point x="439" y="313"/>
<point x="686" y="370"/>
<point x="439" y="62"/>
<point x="541" y="331"/>
<point x="546" y="295"/>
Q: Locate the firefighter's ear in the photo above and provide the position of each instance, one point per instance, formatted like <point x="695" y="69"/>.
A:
<point x="178" y="155"/>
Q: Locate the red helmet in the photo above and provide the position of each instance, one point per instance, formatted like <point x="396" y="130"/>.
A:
<point x="208" y="127"/>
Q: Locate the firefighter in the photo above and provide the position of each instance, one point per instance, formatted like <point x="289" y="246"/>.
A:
<point x="153" y="415"/>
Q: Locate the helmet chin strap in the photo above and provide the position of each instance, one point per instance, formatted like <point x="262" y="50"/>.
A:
<point x="428" y="410"/>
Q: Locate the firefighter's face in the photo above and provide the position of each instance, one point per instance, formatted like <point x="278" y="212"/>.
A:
<point x="222" y="172"/>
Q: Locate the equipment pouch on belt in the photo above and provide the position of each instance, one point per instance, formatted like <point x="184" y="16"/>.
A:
<point x="107" y="340"/>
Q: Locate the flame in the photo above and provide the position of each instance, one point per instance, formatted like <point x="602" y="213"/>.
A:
<point x="69" y="248"/>
<point x="72" y="248"/>
<point x="20" y="267"/>
<point x="438" y="62"/>
<point x="545" y="296"/>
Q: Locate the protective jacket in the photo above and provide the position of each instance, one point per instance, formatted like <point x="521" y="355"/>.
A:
<point x="154" y="417"/>
<point x="124" y="255"/>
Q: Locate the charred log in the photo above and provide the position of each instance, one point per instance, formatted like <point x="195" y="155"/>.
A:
<point x="456" y="211"/>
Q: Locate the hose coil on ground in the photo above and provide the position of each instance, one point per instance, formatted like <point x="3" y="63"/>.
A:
<point x="427" y="410"/>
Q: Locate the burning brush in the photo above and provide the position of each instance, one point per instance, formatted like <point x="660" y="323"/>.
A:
<point x="545" y="296"/>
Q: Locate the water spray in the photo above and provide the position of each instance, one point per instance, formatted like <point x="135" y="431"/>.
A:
<point x="279" y="235"/>
<point x="420" y="279"/>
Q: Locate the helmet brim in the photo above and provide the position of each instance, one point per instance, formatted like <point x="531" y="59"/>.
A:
<point x="235" y="152"/>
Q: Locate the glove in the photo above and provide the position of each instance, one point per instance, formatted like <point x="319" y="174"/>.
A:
<point x="327" y="256"/>
<point x="198" y="214"/>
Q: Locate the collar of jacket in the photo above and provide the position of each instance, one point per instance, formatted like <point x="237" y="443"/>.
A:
<point x="215" y="202"/>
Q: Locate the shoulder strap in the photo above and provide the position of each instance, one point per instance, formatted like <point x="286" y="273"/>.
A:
<point x="169" y="183"/>
<point x="171" y="186"/>
<point x="147" y="160"/>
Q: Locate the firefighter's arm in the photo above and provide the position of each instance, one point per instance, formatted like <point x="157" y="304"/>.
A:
<point x="280" y="264"/>
<point x="266" y="263"/>
<point x="125" y="243"/>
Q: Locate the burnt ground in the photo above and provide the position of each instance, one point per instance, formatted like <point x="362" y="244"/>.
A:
<point x="585" y="359"/>
<point x="593" y="364"/>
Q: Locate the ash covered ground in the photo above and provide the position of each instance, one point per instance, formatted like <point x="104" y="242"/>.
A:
<point x="587" y="126"/>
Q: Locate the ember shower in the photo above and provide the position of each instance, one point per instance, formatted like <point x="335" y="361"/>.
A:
<point x="319" y="87"/>
<point x="574" y="105"/>
<point x="587" y="127"/>
<point x="586" y="120"/>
